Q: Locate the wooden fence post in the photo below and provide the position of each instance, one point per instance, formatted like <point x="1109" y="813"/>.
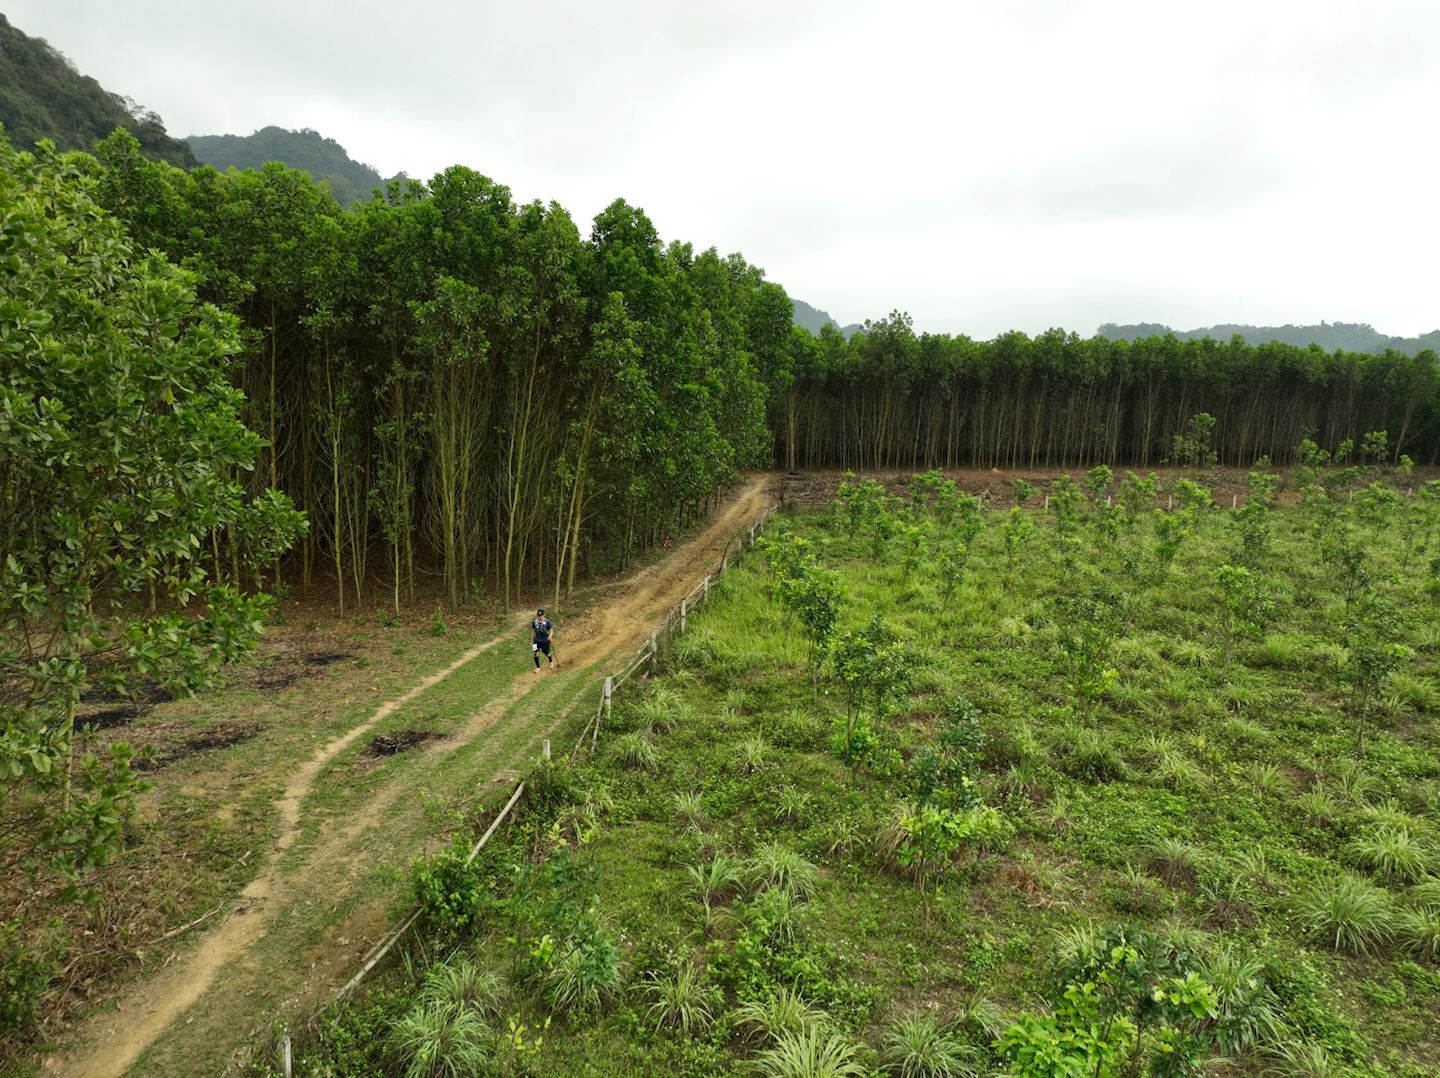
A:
<point x="609" y="692"/>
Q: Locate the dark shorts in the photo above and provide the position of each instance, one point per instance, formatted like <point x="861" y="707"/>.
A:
<point x="543" y="645"/>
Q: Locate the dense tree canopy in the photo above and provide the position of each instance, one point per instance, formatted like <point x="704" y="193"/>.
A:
<point x="121" y="452"/>
<point x="891" y="398"/>
<point x="465" y="378"/>
<point x="472" y="388"/>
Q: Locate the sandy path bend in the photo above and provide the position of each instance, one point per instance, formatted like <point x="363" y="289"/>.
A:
<point x="113" y="1041"/>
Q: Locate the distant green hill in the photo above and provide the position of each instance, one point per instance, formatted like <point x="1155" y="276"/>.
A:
<point x="310" y="151"/>
<point x="43" y="96"/>
<point x="1349" y="336"/>
<point x="813" y="319"/>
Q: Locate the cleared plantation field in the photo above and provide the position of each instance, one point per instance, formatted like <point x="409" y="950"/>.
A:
<point x="1103" y="791"/>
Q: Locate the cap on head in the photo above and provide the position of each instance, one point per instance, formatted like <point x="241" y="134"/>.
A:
<point x="540" y="612"/>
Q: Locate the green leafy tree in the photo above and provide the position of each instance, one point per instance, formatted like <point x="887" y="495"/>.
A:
<point x="1016" y="533"/>
<point x="1195" y="447"/>
<point x="120" y="444"/>
<point x="1087" y="626"/>
<point x="1252" y="520"/>
<point x="1128" y="1003"/>
<point x="1244" y="608"/>
<point x="873" y="665"/>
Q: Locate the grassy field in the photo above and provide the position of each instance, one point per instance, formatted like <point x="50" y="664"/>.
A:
<point x="1104" y="790"/>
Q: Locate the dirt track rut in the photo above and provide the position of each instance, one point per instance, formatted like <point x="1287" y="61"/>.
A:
<point x="113" y="1040"/>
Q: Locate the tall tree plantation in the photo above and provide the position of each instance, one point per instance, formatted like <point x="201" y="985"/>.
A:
<point x="461" y="389"/>
<point x="888" y="398"/>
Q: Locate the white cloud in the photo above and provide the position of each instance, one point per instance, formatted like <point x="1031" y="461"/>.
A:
<point x="985" y="165"/>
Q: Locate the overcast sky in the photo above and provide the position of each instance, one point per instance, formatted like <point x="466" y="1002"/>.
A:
<point x="982" y="165"/>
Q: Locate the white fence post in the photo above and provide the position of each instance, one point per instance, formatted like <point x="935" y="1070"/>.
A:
<point x="609" y="692"/>
<point x="682" y="615"/>
<point x="1170" y="503"/>
<point x="706" y="592"/>
<point x="285" y="1060"/>
<point x="1234" y="500"/>
<point x="1047" y="501"/>
<point x="654" y="646"/>
<point x="546" y="747"/>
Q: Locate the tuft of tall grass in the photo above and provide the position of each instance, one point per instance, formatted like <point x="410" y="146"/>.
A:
<point x="715" y="880"/>
<point x="1418" y="931"/>
<point x="1089" y="754"/>
<point x="1392" y="853"/>
<point x="813" y="1053"/>
<point x="1302" y="1059"/>
<point x="774" y="866"/>
<point x="635" y="751"/>
<point x="920" y="1046"/>
<point x="463" y="983"/>
<point x="689" y="808"/>
<point x="1268" y="779"/>
<point x="680" y="999"/>
<point x="791" y="805"/>
<point x="1348" y="913"/>
<point x="1318" y="807"/>
<point x="1178" y="772"/>
<point x="1176" y="861"/>
<point x="783" y="1011"/>
<point x="750" y="755"/>
<point x="435" y="1039"/>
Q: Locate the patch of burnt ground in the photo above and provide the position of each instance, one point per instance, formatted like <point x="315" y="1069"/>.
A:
<point x="125" y="709"/>
<point x="390" y="744"/>
<point x="327" y="658"/>
<point x="288" y="671"/>
<point x="220" y="736"/>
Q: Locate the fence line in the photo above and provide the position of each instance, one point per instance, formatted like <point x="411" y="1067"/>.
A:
<point x="647" y="654"/>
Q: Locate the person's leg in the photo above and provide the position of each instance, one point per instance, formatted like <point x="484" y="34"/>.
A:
<point x="535" y="654"/>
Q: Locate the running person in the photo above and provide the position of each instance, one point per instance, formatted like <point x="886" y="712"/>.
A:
<point x="540" y="632"/>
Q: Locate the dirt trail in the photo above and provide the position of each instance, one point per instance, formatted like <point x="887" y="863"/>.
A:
<point x="115" y="1040"/>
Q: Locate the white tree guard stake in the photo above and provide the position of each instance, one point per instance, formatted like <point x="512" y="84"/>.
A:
<point x="1170" y="503"/>
<point x="1234" y="500"/>
<point x="682" y="615"/>
<point x="707" y="586"/>
<point x="285" y="1061"/>
<point x="1047" y="501"/>
<point x="1109" y="500"/>
<point x="546" y="746"/>
<point x="609" y="692"/>
<point x="654" y="646"/>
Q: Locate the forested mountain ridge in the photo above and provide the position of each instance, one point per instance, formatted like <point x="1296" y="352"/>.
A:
<point x="307" y="150"/>
<point x="42" y="95"/>
<point x="1345" y="336"/>
<point x="814" y="319"/>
